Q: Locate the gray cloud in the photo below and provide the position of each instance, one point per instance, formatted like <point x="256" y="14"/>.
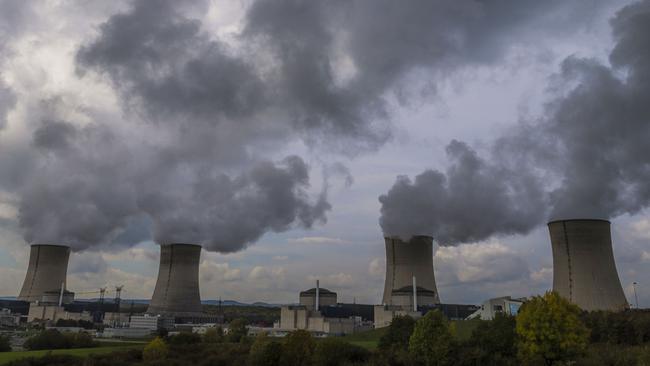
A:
<point x="194" y="157"/>
<point x="470" y="202"/>
<point x="587" y="157"/>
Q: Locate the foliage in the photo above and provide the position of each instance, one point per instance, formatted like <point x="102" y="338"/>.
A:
<point x="549" y="328"/>
<point x="398" y="334"/>
<point x="53" y="339"/>
<point x="5" y="344"/>
<point x="237" y="331"/>
<point x="257" y="315"/>
<point x="299" y="348"/>
<point x="156" y="350"/>
<point x="75" y="323"/>
<point x="630" y="327"/>
<point x="213" y="335"/>
<point x="335" y="351"/>
<point x="265" y="352"/>
<point x="493" y="342"/>
<point x="432" y="341"/>
<point x="184" y="338"/>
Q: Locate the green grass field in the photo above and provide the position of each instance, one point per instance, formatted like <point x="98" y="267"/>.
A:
<point x="6" y="357"/>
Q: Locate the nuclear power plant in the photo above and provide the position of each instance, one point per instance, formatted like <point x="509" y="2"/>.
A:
<point x="46" y="272"/>
<point x="406" y="261"/>
<point x="584" y="271"/>
<point x="177" y="288"/>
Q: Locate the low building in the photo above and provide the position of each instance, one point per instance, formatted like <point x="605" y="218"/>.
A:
<point x="384" y="314"/>
<point x="54" y="313"/>
<point x="9" y="319"/>
<point x="319" y="313"/>
<point x="151" y="322"/>
<point x="116" y="320"/>
<point x="500" y="305"/>
<point x="126" y="333"/>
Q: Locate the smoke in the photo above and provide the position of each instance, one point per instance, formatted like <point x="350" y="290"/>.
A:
<point x="470" y="202"/>
<point x="198" y="150"/>
<point x="588" y="155"/>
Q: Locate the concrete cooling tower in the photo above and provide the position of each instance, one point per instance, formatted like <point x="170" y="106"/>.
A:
<point x="47" y="270"/>
<point x="177" y="288"/>
<point x="584" y="271"/>
<point x="405" y="260"/>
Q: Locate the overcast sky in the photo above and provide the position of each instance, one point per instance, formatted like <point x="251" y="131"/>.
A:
<point x="267" y="131"/>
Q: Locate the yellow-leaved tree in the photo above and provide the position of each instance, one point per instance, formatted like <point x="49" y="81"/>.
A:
<point x="549" y="328"/>
<point x="155" y="350"/>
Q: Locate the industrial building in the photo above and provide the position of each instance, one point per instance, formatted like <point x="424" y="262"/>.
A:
<point x="177" y="288"/>
<point x="46" y="273"/>
<point x="406" y="260"/>
<point x="319" y="312"/>
<point x="584" y="271"/>
<point x="505" y="305"/>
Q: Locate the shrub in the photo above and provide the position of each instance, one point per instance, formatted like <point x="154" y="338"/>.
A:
<point x="184" y="338"/>
<point x="334" y="351"/>
<point x="237" y="331"/>
<point x="5" y="344"/>
<point x="398" y="334"/>
<point x="265" y="352"/>
<point x="213" y="335"/>
<point x="156" y="350"/>
<point x="48" y="339"/>
<point x="493" y="342"/>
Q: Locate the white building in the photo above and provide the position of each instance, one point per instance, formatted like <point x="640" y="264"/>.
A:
<point x="500" y="305"/>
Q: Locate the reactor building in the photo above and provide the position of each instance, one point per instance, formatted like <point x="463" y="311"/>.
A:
<point x="410" y="280"/>
<point x="46" y="273"/>
<point x="177" y="288"/>
<point x="584" y="271"/>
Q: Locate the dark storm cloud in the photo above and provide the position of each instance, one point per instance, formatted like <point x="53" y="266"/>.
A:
<point x="202" y="169"/>
<point x="224" y="213"/>
<point x="587" y="157"/>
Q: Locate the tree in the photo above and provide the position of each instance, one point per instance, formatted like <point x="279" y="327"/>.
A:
<point x="213" y="335"/>
<point x="237" y="331"/>
<point x="432" y="341"/>
<point x="298" y="348"/>
<point x="550" y="329"/>
<point x="5" y="344"/>
<point x="265" y="352"/>
<point x="156" y="350"/>
<point x="334" y="352"/>
<point x="398" y="334"/>
<point x="494" y="342"/>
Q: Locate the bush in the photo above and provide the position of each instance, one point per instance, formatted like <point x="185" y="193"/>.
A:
<point x="213" y="335"/>
<point x="493" y="342"/>
<point x="265" y="352"/>
<point x="237" y="331"/>
<point x="432" y="341"/>
<point x="298" y="348"/>
<point x="398" y="334"/>
<point x="550" y="329"/>
<point x="184" y="338"/>
<point x="334" y="352"/>
<point x="53" y="339"/>
<point x="156" y="350"/>
<point x="5" y="344"/>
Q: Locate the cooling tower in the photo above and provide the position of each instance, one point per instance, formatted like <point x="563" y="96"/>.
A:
<point x="177" y="288"/>
<point x="584" y="271"/>
<point x="47" y="270"/>
<point x="404" y="260"/>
